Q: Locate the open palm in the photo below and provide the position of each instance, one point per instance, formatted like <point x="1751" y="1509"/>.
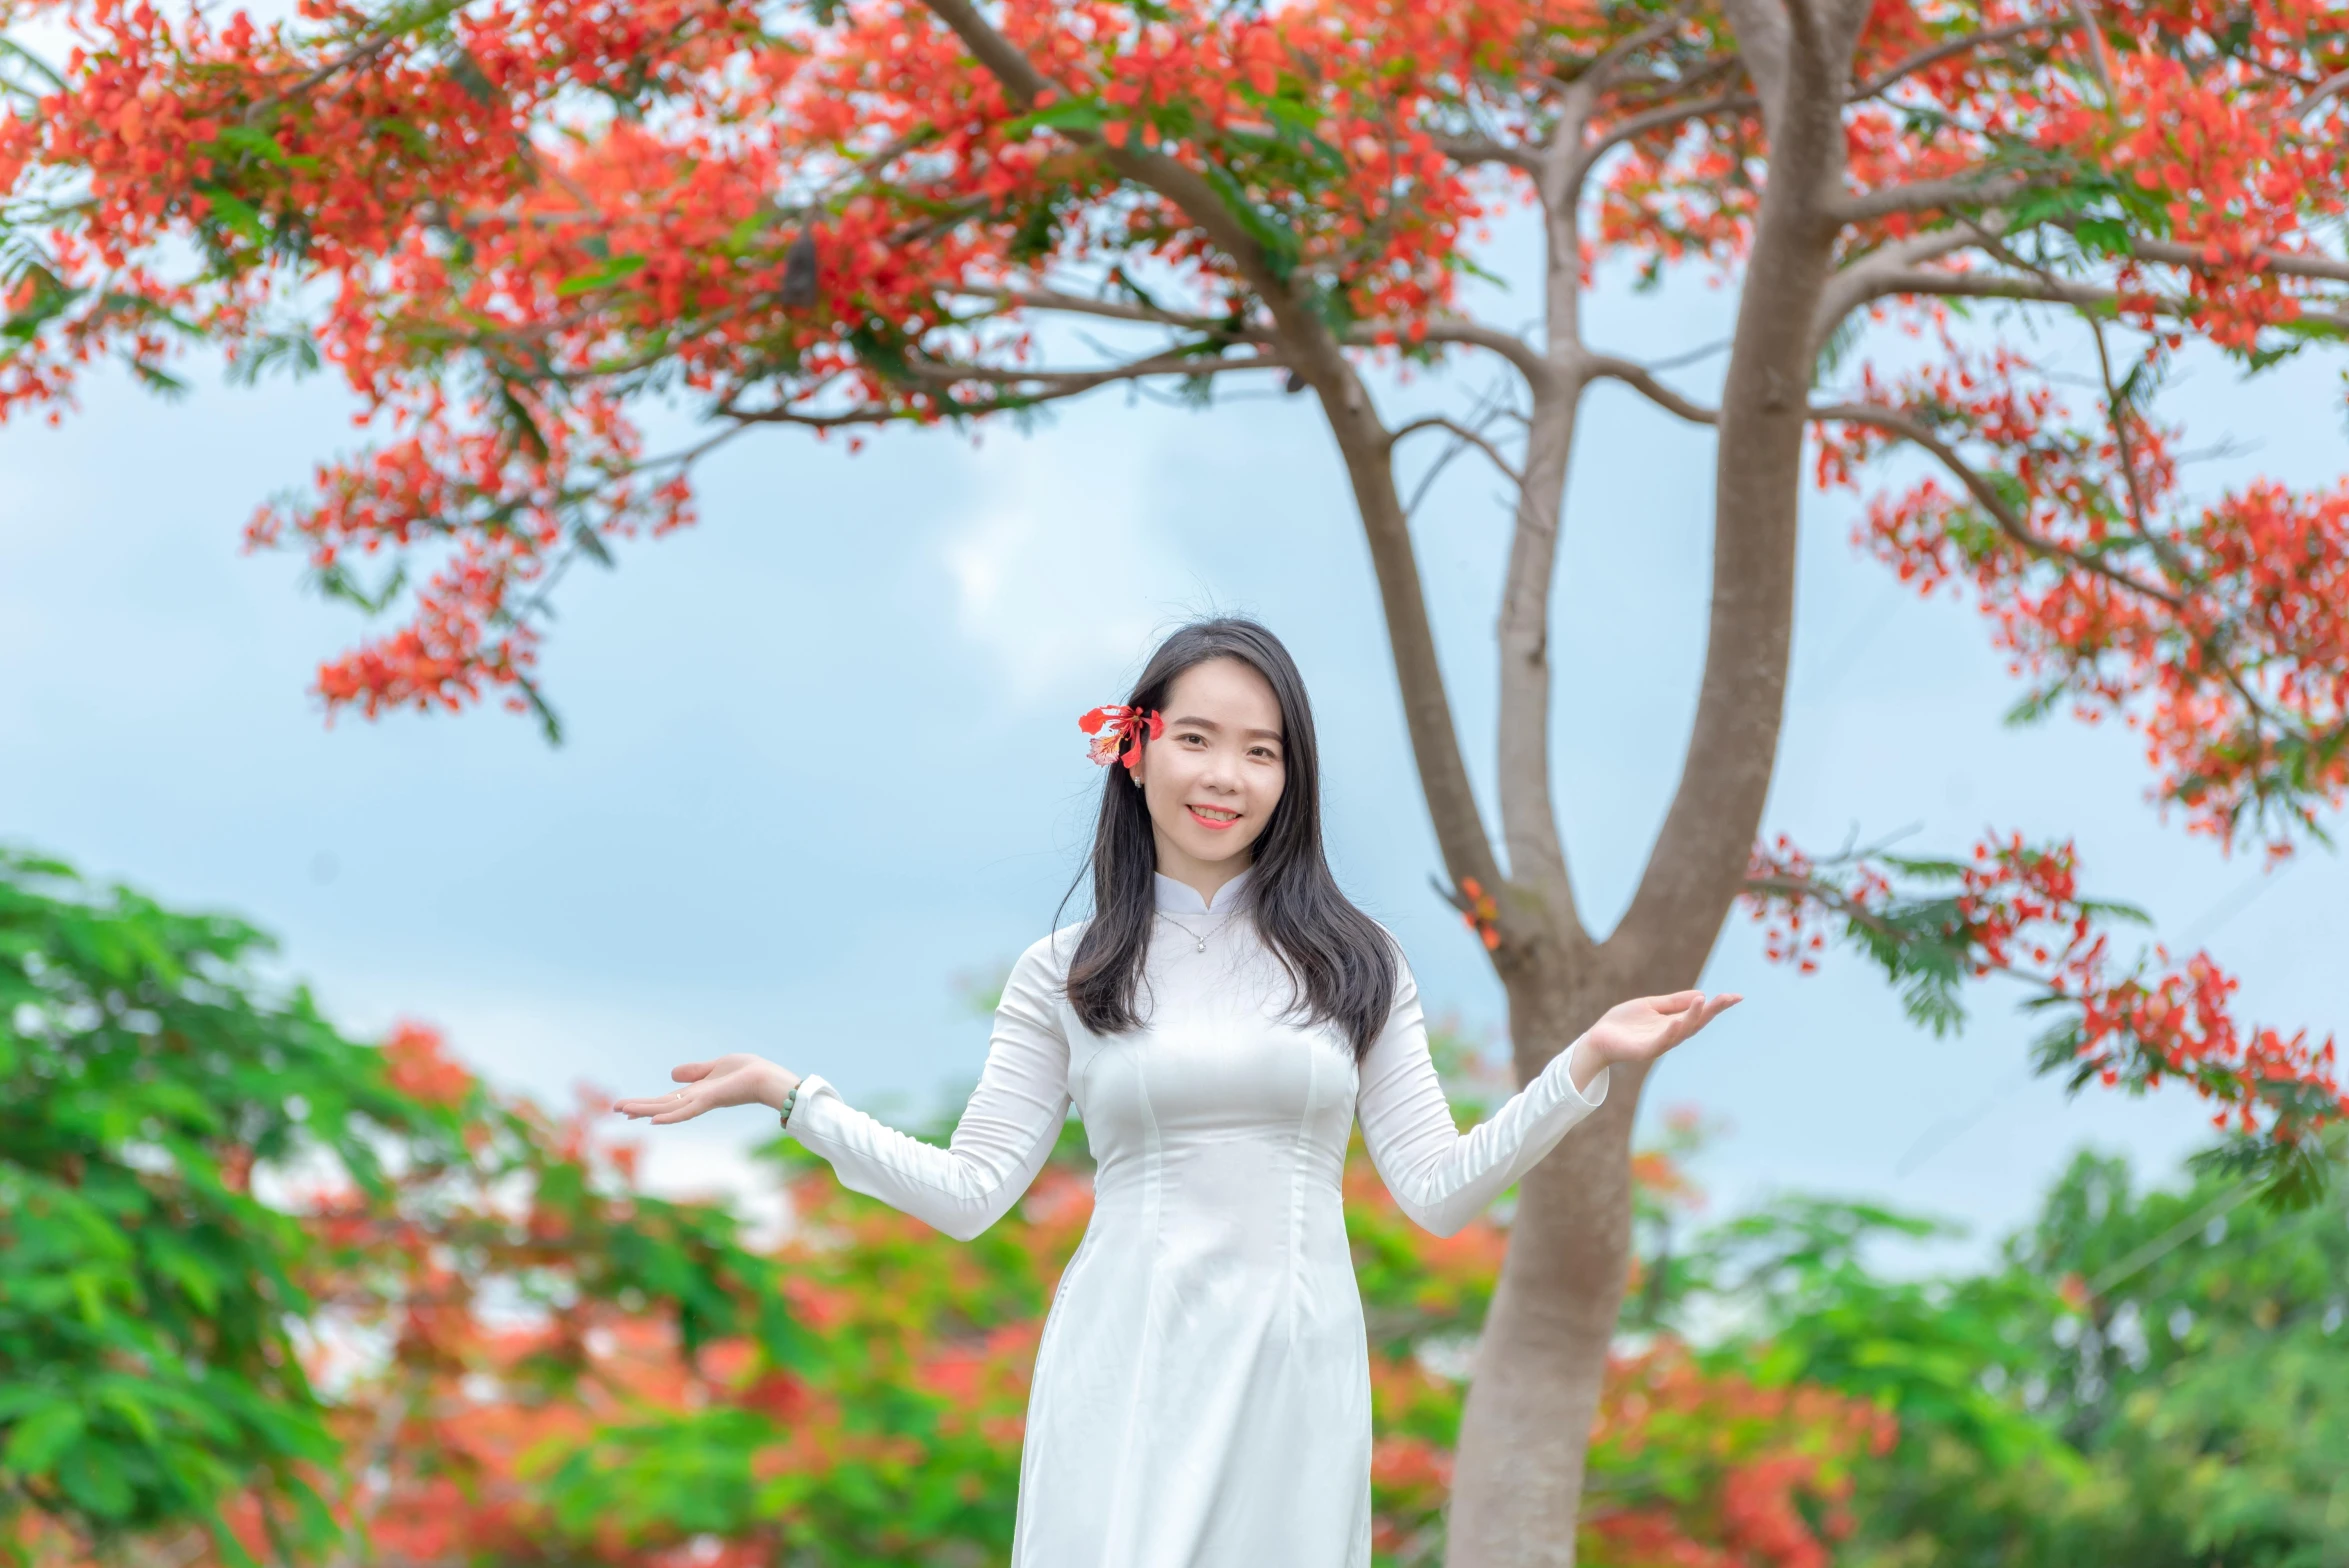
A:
<point x="1636" y="1032"/>
<point x="736" y="1079"/>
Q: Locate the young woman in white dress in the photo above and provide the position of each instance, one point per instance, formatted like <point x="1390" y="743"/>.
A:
<point x="1201" y="1395"/>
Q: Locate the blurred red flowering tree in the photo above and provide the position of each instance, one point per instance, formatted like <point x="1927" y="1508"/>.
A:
<point x="511" y="225"/>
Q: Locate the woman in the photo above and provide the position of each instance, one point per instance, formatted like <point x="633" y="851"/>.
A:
<point x="1201" y="1394"/>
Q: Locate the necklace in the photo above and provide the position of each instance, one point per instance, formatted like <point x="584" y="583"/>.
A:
<point x="1184" y="929"/>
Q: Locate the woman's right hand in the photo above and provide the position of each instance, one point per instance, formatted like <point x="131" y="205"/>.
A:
<point x="738" y="1079"/>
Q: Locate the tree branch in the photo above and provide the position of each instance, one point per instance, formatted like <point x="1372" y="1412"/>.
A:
<point x="2320" y="94"/>
<point x="1510" y="347"/>
<point x="1896" y="422"/>
<point x="1971" y="189"/>
<point x="945" y="373"/>
<point x="1601" y="71"/>
<point x="1870" y="277"/>
<point x="2291" y="264"/>
<point x="1991" y="285"/>
<point x="1118" y="310"/>
<point x="1460" y="433"/>
<point x="1637" y="377"/>
<point x="1483" y="149"/>
<point x="2096" y="55"/>
<point x="1051" y="386"/>
<point x="1631" y="127"/>
<point x="1900" y="70"/>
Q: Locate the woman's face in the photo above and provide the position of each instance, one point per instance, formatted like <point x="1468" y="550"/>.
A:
<point x="1212" y="779"/>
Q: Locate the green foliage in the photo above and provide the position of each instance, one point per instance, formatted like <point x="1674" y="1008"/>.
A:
<point x="2158" y="1379"/>
<point x="199" y="1176"/>
<point x="146" y="1366"/>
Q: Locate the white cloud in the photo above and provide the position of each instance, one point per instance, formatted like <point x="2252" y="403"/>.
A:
<point x="1056" y="570"/>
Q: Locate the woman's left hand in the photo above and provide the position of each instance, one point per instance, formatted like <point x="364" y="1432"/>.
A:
<point x="1636" y="1032"/>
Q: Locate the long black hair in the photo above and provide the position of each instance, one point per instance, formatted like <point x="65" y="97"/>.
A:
<point x="1341" y="966"/>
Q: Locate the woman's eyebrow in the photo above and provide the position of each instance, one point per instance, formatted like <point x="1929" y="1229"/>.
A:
<point x="1210" y="724"/>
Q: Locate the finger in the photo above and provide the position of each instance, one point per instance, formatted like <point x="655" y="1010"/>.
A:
<point x="1677" y="1002"/>
<point x="679" y="1107"/>
<point x="654" y="1105"/>
<point x="691" y="1072"/>
<point x="1690" y="1022"/>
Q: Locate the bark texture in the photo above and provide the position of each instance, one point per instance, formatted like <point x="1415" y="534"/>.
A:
<point x="1519" y="1469"/>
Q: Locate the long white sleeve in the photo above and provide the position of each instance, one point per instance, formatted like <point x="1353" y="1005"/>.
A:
<point x="1005" y="1134"/>
<point x="1441" y="1177"/>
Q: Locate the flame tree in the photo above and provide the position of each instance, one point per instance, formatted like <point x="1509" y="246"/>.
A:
<point x="510" y="224"/>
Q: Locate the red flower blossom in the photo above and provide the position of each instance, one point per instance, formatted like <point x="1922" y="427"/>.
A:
<point x="1118" y="733"/>
<point x="2016" y="910"/>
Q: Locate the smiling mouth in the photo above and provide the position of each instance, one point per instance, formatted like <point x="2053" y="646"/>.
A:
<point x="1212" y="816"/>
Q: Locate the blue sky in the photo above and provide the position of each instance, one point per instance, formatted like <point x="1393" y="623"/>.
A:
<point x="823" y="751"/>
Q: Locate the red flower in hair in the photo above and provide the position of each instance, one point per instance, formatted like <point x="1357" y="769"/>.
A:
<point x="1118" y="733"/>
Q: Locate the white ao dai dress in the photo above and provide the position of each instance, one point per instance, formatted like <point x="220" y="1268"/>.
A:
<point x="1202" y="1389"/>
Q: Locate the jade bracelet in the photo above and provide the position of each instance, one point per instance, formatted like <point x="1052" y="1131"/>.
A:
<point x="790" y="1098"/>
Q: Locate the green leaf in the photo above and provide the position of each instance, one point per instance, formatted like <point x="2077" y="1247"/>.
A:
<point x="236" y="213"/>
<point x="41" y="1437"/>
<point x="249" y="139"/>
<point x="467" y="73"/>
<point x="91" y="1482"/>
<point x="591" y="544"/>
<point x="613" y="271"/>
<point x="1068" y="114"/>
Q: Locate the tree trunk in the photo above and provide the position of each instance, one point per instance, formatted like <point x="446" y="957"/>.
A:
<point x="1542" y="1361"/>
<point x="1518" y="1476"/>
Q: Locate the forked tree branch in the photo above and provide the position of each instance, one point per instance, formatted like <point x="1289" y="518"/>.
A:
<point x="1461" y="433"/>
<point x="1633" y="126"/>
<point x="1868" y="278"/>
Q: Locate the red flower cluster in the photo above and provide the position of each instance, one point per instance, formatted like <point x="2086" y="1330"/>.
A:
<point x="514" y="234"/>
<point x="1479" y="913"/>
<point x="1780" y="1457"/>
<point x="2015" y="910"/>
<point x="2218" y="631"/>
<point x="417" y="1064"/>
<point x="1118" y="733"/>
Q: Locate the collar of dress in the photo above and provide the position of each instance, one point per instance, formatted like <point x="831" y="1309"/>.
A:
<point x="1180" y="898"/>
